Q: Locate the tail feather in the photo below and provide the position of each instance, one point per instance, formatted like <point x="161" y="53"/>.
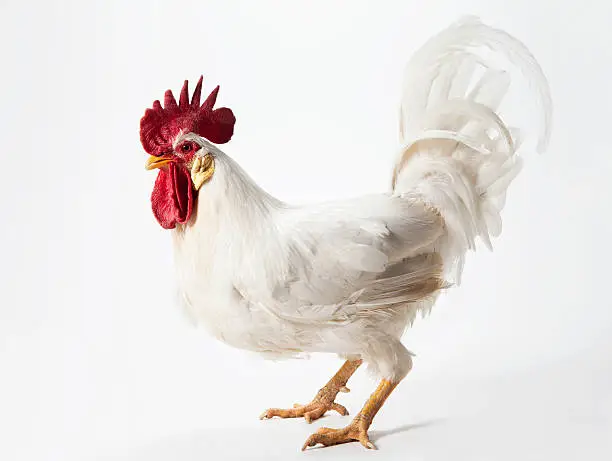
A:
<point x="458" y="153"/>
<point x="453" y="52"/>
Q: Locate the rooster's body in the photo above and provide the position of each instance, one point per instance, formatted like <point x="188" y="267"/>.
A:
<point x="348" y="277"/>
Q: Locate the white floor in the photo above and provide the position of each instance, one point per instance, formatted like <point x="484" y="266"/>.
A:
<point x="558" y="412"/>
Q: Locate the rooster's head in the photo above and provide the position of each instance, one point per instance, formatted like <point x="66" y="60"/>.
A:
<point x="174" y="135"/>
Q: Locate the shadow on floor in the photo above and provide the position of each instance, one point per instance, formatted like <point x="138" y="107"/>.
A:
<point x="376" y="435"/>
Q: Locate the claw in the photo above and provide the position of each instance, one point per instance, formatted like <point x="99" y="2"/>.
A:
<point x="339" y="408"/>
<point x="308" y="443"/>
<point x="369" y="445"/>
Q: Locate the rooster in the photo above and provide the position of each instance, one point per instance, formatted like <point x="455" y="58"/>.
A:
<point x="344" y="277"/>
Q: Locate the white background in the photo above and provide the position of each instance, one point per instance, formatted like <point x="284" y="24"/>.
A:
<point x="95" y="360"/>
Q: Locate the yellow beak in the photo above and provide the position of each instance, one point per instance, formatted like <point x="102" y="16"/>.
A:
<point x="157" y="162"/>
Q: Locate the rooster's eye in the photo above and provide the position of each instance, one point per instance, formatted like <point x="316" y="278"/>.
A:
<point x="186" y="147"/>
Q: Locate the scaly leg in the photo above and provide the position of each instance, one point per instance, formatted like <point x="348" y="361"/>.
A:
<point x="323" y="401"/>
<point x="357" y="430"/>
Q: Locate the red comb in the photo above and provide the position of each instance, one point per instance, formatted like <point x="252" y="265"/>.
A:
<point x="160" y="125"/>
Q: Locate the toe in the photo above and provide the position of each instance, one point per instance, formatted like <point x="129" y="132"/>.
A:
<point x="366" y="443"/>
<point x="310" y="442"/>
<point x="325" y="430"/>
<point x="295" y="412"/>
<point x="322" y="436"/>
<point x="364" y="438"/>
<point x="339" y="408"/>
<point x="369" y="445"/>
<point x="314" y="414"/>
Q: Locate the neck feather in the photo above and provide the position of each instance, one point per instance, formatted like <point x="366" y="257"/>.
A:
<point x="232" y="199"/>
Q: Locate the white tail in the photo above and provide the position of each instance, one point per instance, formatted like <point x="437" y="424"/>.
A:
<point x="458" y="154"/>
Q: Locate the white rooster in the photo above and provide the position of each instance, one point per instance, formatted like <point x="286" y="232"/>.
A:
<point x="345" y="277"/>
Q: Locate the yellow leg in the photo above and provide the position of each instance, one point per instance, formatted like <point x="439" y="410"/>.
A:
<point x="323" y="401"/>
<point x="357" y="430"/>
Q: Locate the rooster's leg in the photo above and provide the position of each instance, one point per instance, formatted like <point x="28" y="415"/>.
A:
<point x="323" y="401"/>
<point x="357" y="430"/>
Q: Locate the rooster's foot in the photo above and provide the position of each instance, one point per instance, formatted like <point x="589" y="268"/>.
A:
<point x="355" y="432"/>
<point x="312" y="411"/>
<point x="324" y="400"/>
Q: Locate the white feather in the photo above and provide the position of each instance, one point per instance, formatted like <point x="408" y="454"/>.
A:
<point x="348" y="277"/>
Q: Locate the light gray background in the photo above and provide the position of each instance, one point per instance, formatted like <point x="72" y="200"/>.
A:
<point x="97" y="363"/>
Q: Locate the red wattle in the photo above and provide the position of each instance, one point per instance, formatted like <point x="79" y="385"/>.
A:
<point x="172" y="198"/>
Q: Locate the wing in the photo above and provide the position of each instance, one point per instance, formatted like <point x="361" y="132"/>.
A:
<point x="339" y="259"/>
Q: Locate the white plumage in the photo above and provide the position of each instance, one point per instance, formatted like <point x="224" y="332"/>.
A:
<point x="348" y="277"/>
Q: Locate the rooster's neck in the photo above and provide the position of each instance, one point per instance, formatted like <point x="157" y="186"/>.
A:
<point x="232" y="202"/>
<point x="243" y="193"/>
